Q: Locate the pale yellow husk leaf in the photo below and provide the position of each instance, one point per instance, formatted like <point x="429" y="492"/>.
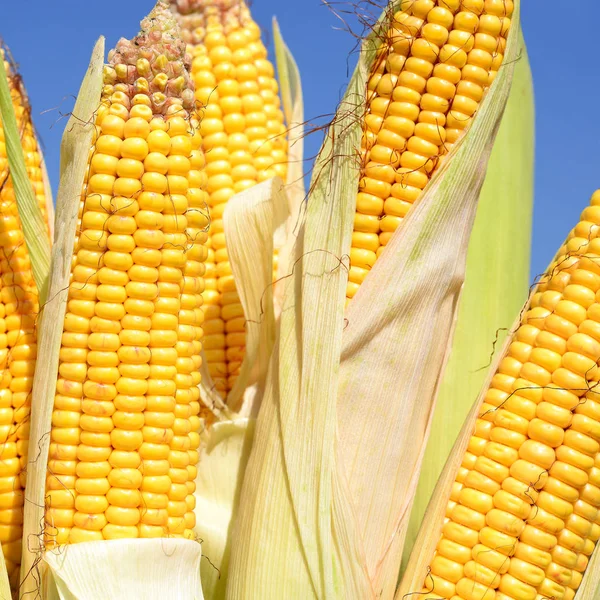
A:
<point x="590" y="586"/>
<point x="152" y="569"/>
<point x="290" y="86"/>
<point x="285" y="521"/>
<point x="75" y="147"/>
<point x="223" y="460"/>
<point x="324" y="519"/>
<point x="250" y="221"/>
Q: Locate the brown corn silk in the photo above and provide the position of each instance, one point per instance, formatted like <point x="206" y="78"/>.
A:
<point x="523" y="517"/>
<point x="434" y="66"/>
<point x="19" y="306"/>
<point x="125" y="426"/>
<point x="244" y="138"/>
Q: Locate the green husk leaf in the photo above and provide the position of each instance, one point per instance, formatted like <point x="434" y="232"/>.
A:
<point x="49" y="199"/>
<point x="223" y="458"/>
<point x="496" y="281"/>
<point x="152" y="569"/>
<point x="290" y="85"/>
<point x="250" y="221"/>
<point x="325" y="518"/>
<point x="75" y="146"/>
<point x="30" y="214"/>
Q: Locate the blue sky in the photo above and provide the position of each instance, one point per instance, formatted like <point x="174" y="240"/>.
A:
<point x="52" y="41"/>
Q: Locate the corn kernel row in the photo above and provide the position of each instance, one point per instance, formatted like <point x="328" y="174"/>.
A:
<point x="427" y="83"/>
<point x="244" y="140"/>
<point x="125" y="425"/>
<point x="523" y="517"/>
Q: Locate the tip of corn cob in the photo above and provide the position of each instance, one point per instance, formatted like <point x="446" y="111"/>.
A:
<point x="189" y="6"/>
<point x="154" y="63"/>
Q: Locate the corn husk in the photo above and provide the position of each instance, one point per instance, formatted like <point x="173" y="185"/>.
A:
<point x="225" y="451"/>
<point x="496" y="281"/>
<point x="250" y="222"/>
<point x="347" y="408"/>
<point x="152" y="569"/>
<point x="290" y="86"/>
<point x="75" y="147"/>
<point x="32" y="220"/>
<point x="49" y="199"/>
<point x="590" y="586"/>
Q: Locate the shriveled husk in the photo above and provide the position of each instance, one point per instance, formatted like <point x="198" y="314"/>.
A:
<point x="250" y="220"/>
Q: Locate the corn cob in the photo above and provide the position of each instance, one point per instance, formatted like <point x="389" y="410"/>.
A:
<point x="125" y="425"/>
<point x="425" y="87"/>
<point x="523" y="517"/>
<point x="244" y="139"/>
<point x="19" y="307"/>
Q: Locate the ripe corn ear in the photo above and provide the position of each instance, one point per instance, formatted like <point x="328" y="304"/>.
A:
<point x="244" y="139"/>
<point x="19" y="306"/>
<point x="431" y="73"/>
<point x="523" y="517"/>
<point x="125" y="426"/>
